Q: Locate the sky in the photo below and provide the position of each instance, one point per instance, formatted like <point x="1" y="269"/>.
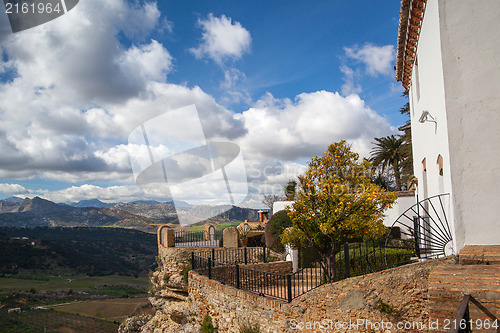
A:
<point x="280" y="80"/>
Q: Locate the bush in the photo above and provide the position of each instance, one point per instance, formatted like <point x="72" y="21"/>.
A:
<point x="207" y="326"/>
<point x="279" y="222"/>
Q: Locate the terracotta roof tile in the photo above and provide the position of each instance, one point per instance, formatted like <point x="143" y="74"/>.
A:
<point x="411" y="15"/>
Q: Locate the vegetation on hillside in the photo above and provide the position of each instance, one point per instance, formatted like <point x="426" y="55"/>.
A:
<point x="92" y="251"/>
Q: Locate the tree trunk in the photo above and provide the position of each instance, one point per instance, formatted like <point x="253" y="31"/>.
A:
<point x="397" y="175"/>
<point x="328" y="264"/>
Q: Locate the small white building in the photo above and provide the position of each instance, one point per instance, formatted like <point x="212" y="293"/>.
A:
<point x="448" y="58"/>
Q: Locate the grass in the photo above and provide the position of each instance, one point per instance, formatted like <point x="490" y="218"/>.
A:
<point x="221" y="225"/>
<point x="81" y="282"/>
<point x="116" y="309"/>
<point x="40" y="290"/>
<point x="367" y="259"/>
<point x="46" y="321"/>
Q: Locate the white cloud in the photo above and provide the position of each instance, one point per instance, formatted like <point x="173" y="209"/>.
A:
<point x="79" y="93"/>
<point x="232" y="92"/>
<point x="350" y="86"/>
<point x="84" y="192"/>
<point x="149" y="62"/>
<point x="303" y="128"/>
<point x="12" y="189"/>
<point x="222" y="39"/>
<point x="377" y="59"/>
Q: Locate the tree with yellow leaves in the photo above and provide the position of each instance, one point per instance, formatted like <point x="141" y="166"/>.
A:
<point x="336" y="202"/>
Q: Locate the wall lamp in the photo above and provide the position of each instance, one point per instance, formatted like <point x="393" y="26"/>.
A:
<point x="426" y="116"/>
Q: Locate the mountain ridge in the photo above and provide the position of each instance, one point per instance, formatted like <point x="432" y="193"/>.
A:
<point x="141" y="216"/>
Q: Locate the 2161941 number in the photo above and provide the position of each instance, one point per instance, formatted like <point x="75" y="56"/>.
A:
<point x="32" y="8"/>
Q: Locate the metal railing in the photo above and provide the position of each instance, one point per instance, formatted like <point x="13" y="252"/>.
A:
<point x="186" y="238"/>
<point x="426" y="225"/>
<point x="279" y="286"/>
<point x="242" y="255"/>
<point x="368" y="257"/>
<point x="463" y="322"/>
<point x="223" y="265"/>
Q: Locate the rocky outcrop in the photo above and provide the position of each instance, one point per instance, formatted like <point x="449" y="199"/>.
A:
<point x="175" y="311"/>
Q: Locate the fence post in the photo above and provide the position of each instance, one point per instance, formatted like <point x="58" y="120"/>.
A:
<point x="209" y="268"/>
<point x="245" y="256"/>
<point x="264" y="253"/>
<point x="193" y="266"/>
<point x="237" y="276"/>
<point x="213" y="254"/>
<point x="289" y="287"/>
<point x="416" y="231"/>
<point x="346" y="261"/>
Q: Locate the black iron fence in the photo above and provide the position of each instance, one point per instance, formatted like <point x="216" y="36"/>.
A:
<point x="242" y="255"/>
<point x="370" y="256"/>
<point x="186" y="238"/>
<point x="280" y="286"/>
<point x="224" y="265"/>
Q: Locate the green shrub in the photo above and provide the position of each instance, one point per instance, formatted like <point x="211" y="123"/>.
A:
<point x="279" y="221"/>
<point x="166" y="278"/>
<point x="207" y="326"/>
<point x="384" y="307"/>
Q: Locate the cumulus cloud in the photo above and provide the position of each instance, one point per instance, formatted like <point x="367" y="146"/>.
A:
<point x="304" y="127"/>
<point x="222" y="39"/>
<point x="123" y="193"/>
<point x="12" y="189"/>
<point x="377" y="59"/>
<point x="65" y="106"/>
<point x="79" y="92"/>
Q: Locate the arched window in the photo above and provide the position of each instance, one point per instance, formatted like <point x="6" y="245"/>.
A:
<point x="440" y="164"/>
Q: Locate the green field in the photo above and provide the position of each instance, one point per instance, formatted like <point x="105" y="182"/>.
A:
<point x="46" y="321"/>
<point x="219" y="225"/>
<point x="116" y="309"/>
<point x="82" y="282"/>
<point x="32" y="291"/>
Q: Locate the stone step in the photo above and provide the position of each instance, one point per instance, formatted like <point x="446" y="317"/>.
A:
<point x="449" y="283"/>
<point x="480" y="255"/>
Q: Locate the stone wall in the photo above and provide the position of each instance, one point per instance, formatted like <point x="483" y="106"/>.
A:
<point x="398" y="295"/>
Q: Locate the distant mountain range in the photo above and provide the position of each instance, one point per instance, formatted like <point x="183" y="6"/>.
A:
<point x="141" y="215"/>
<point x="96" y="203"/>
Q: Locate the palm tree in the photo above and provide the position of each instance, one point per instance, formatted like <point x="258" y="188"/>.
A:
<point x="388" y="151"/>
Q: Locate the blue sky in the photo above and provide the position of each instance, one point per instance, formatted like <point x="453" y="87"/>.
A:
<point x="280" y="79"/>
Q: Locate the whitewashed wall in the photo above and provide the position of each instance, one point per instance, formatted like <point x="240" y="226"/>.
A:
<point x="456" y="78"/>
<point x="470" y="46"/>
<point x="401" y="205"/>
<point x="280" y="205"/>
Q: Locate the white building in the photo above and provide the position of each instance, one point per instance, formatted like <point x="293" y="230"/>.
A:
<point x="448" y="57"/>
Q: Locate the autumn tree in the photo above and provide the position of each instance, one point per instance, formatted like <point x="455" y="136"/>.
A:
<point x="336" y="202"/>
